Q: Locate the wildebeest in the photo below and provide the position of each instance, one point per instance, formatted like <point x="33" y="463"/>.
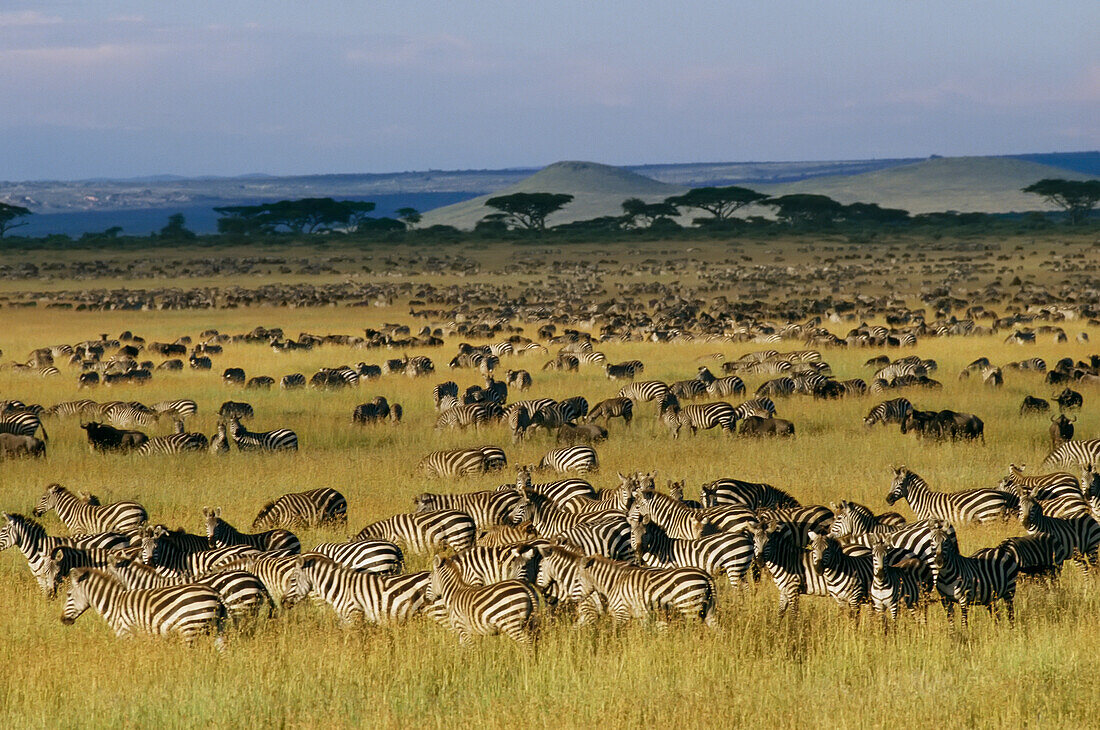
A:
<point x="1061" y="429"/>
<point x="14" y="445"/>
<point x="376" y="411"/>
<point x="1032" y="404"/>
<point x="233" y="376"/>
<point x="760" y="426"/>
<point x="234" y="409"/>
<point x="104" y="438"/>
<point x="581" y="433"/>
<point x="945" y="424"/>
<point x="1069" y="399"/>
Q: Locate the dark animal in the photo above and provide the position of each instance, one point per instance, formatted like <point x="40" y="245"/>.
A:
<point x="104" y="438"/>
<point x="760" y="426"/>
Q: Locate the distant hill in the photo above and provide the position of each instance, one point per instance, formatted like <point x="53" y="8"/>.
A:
<point x="987" y="184"/>
<point x="598" y="190"/>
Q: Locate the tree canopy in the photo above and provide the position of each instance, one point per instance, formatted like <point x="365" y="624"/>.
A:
<point x="307" y="215"/>
<point x="529" y="210"/>
<point x="721" y="202"/>
<point x="873" y="213"/>
<point x="1076" y="197"/>
<point x="9" y="214"/>
<point x="177" y="228"/>
<point x="637" y="212"/>
<point x="806" y="208"/>
<point x="409" y="216"/>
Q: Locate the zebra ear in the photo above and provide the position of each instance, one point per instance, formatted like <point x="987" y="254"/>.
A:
<point x="218" y="512"/>
<point x="587" y="562"/>
<point x="437" y="561"/>
<point x="160" y="531"/>
<point x="58" y="553"/>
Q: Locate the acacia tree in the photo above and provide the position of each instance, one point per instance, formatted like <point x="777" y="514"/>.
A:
<point x="409" y="216"/>
<point x="307" y="215"/>
<point x="1076" y="197"/>
<point x="806" y="208"/>
<point x="529" y="210"/>
<point x="635" y="209"/>
<point x="10" y="213"/>
<point x="721" y="202"/>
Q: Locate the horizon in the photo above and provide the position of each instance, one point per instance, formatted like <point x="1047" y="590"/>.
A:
<point x="131" y="89"/>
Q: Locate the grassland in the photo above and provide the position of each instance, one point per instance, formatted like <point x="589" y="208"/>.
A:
<point x="303" y="670"/>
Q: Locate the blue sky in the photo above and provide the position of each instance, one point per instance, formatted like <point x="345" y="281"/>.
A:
<point x="138" y="88"/>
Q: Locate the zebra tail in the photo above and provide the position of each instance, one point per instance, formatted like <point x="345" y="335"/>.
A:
<point x="45" y="436"/>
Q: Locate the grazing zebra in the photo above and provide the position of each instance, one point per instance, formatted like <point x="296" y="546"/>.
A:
<point x="634" y="592"/>
<point x="68" y="409"/>
<point x="472" y="414"/>
<point x="175" y="443"/>
<point x="293" y="381"/>
<point x="23" y="423"/>
<point x="518" y="420"/>
<point x="1073" y="454"/>
<point x="552" y="416"/>
<point x="37" y="547"/>
<point x="219" y="442"/>
<point x="222" y="534"/>
<point x="889" y="411"/>
<point x="188" y="610"/>
<point x="376" y="599"/>
<point x="749" y="495"/>
<point x="851" y="519"/>
<point x="973" y="505"/>
<point x="672" y="516"/>
<point x="63" y="559"/>
<point x="982" y="579"/>
<point x="688" y="389"/>
<point x="159" y="552"/>
<point x="696" y="417"/>
<point x="551" y="521"/>
<point x="612" y="408"/>
<point x="893" y="583"/>
<point x="580" y="459"/>
<point x="621" y="371"/>
<point x="86" y="517"/>
<point x="124" y="415"/>
<point x="273" y="571"/>
<point x="487" y="508"/>
<point x="482" y="566"/>
<point x="506" y="608"/>
<point x="462" y="462"/>
<point x="502" y="535"/>
<point x="281" y="439"/>
<point x="726" y="553"/>
<point x="236" y="409"/>
<point x="1060" y="493"/>
<point x="1076" y="538"/>
<point x="645" y="391"/>
<point x="424" y="532"/>
<point x="779" y="549"/>
<point x="323" y="506"/>
<point x="177" y="409"/>
<point x="366" y="556"/>
<point x="763" y="407"/>
<point x="721" y="387"/>
<point x="778" y="387"/>
<point x="244" y="594"/>
<point x="847" y="570"/>
<point x="570" y="495"/>
<point x="607" y="537"/>
<point x="518" y="379"/>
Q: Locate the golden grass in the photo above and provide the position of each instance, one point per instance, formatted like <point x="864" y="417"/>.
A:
<point x="303" y="670"/>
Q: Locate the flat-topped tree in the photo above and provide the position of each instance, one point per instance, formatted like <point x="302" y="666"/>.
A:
<point x="529" y="210"/>
<point x="636" y="209"/>
<point x="806" y="208"/>
<point x="1076" y="197"/>
<point x="10" y="213"/>
<point x="720" y="202"/>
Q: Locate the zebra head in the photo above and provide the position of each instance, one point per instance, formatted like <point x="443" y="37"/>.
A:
<point x="299" y="583"/>
<point x="150" y="542"/>
<point x="842" y="523"/>
<point x="235" y="426"/>
<point x="50" y="576"/>
<point x="8" y="536"/>
<point x="1029" y="509"/>
<point x="1011" y="480"/>
<point x="523" y="478"/>
<point x="765" y="539"/>
<point x="821" y="550"/>
<point x="710" y="495"/>
<point x="444" y="575"/>
<point x="77" y="600"/>
<point x="943" y="544"/>
<point x="212" y="517"/>
<point x="639" y="535"/>
<point x="879" y="550"/>
<point x="48" y="500"/>
<point x="899" y="488"/>
<point x="424" y="503"/>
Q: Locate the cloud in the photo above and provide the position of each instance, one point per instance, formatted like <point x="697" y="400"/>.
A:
<point x="434" y="53"/>
<point x="26" y="18"/>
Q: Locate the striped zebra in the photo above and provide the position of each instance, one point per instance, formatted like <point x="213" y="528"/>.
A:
<point x="177" y="409"/>
<point x="893" y="584"/>
<point x="851" y="519"/>
<point x="750" y="495"/>
<point x="274" y="572"/>
<point x="607" y="537"/>
<point x="779" y="549"/>
<point x="762" y="406"/>
<point x="68" y="409"/>
<point x="518" y="421"/>
<point x="645" y="391"/>
<point x="314" y="508"/>
<point x="87" y="517"/>
<point x="847" y="570"/>
<point x="125" y="415"/>
<point x="464" y="416"/>
<point x="175" y="443"/>
<point x="983" y="579"/>
<point x="612" y="408"/>
<point x="633" y="592"/>
<point x="244" y="594"/>
<point x="487" y="508"/>
<point x="507" y="608"/>
<point x="727" y="553"/>
<point x="482" y="566"/>
<point x="222" y="534"/>
<point x="1060" y="494"/>
<point x="778" y="387"/>
<point x="447" y="389"/>
<point x="219" y="442"/>
<point x="293" y="381"/>
<point x="502" y="535"/>
<point x="569" y="495"/>
<point x="551" y="521"/>
<point x="518" y="379"/>
<point x="373" y="598"/>
<point x="280" y="439"/>
<point x="559" y="580"/>
<point x="688" y="389"/>
<point x="591" y="358"/>
<point x="973" y="505"/>
<point x="696" y="417"/>
<point x="462" y="462"/>
<point x="22" y="423"/>
<point x="424" y="532"/>
<point x="1035" y="556"/>
<point x="37" y="547"/>
<point x="189" y="610"/>
<point x="1076" y="538"/>
<point x="365" y="556"/>
<point x="889" y="411"/>
<point x="63" y="559"/>
<point x="581" y="459"/>
<point x="1073" y="454"/>
<point x="552" y="417"/>
<point x="159" y="552"/>
<point x="675" y="519"/>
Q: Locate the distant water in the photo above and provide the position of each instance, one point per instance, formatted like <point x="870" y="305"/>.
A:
<point x="202" y="219"/>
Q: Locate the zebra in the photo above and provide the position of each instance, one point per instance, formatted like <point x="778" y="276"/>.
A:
<point x="889" y="411"/>
<point x="634" y="592"/>
<point x="779" y="549"/>
<point x="778" y="387"/>
<point x="175" y="443"/>
<point x="502" y="535"/>
<point x="486" y="508"/>
<point x="68" y="409"/>
<point x="559" y="580"/>
<point x="1060" y="493"/>
<point x="219" y="442"/>
<point x="551" y="521"/>
<point x="424" y="532"/>
<point x="293" y="381"/>
<point x="63" y="559"/>
<point x="553" y="416"/>
<point x="518" y="420"/>
<point x="983" y="578"/>
<point x="851" y="519"/>
<point x="696" y="417"/>
<point x="673" y="517"/>
<point x="244" y="594"/>
<point x="124" y="415"/>
<point x="366" y="556"/>
<point x="314" y="508"/>
<point x="236" y="409"/>
<point x="462" y="462"/>
<point x="847" y="570"/>
<point x="481" y="566"/>
<point x="281" y="439"/>
<point x="574" y="408"/>
<point x="749" y="495"/>
<point x="86" y="517"/>
<point x="1076" y="538"/>
<point x="373" y="598"/>
<point x="688" y="389"/>
<point x="646" y="391"/>
<point x="24" y="423"/>
<point x="762" y="406"/>
<point x="272" y="570"/>
<point x="1073" y="454"/>
<point x="570" y="495"/>
<point x="472" y="414"/>
<point x="721" y="387"/>
<point x="974" y="505"/>
<point x="31" y="539"/>
<point x="1035" y="556"/>
<point x="726" y="553"/>
<point x="518" y="379"/>
<point x="188" y="610"/>
<point x="507" y="608"/>
<point x="580" y="459"/>
<point x="222" y="534"/>
<point x="179" y="409"/>
<point x="607" y="537"/>
<point x="612" y="408"/>
<point x="893" y="584"/>
<point x="159" y="552"/>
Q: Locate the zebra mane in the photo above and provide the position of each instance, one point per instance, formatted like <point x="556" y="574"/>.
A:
<point x="264" y="511"/>
<point x="33" y="527"/>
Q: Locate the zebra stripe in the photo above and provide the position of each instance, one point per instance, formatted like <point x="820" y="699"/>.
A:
<point x="549" y="521"/>
<point x="672" y="516"/>
<point x="464" y="416"/>
<point x="281" y="439"/>
<point x="613" y="408"/>
<point x="376" y="599"/>
<point x="365" y="556"/>
<point x="1076" y="538"/>
<point x="323" y="506"/>
<point x="222" y="534"/>
<point x="462" y="462"/>
<point x="506" y="608"/>
<point x="180" y="409"/>
<point x="750" y="495"/>
<point x="581" y="459"/>
<point x="569" y="495"/>
<point x="31" y="539"/>
<point x="634" y="592"/>
<point x="159" y="552"/>
<point x="889" y="411"/>
<point x="175" y="443"/>
<point x="482" y="566"/>
<point x="982" y="579"/>
<point x="1060" y="494"/>
<point x="762" y="406"/>
<point x="780" y="549"/>
<point x="85" y="517"/>
<point x="22" y="424"/>
<point x="1073" y="454"/>
<point x="848" y="570"/>
<point x="696" y="417"/>
<point x="974" y="505"/>
<point x="892" y="585"/>
<point x="486" y="508"/>
<point x="243" y="593"/>
<point x="424" y="532"/>
<point x="645" y="391"/>
<point x="727" y="553"/>
<point x="851" y="519"/>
